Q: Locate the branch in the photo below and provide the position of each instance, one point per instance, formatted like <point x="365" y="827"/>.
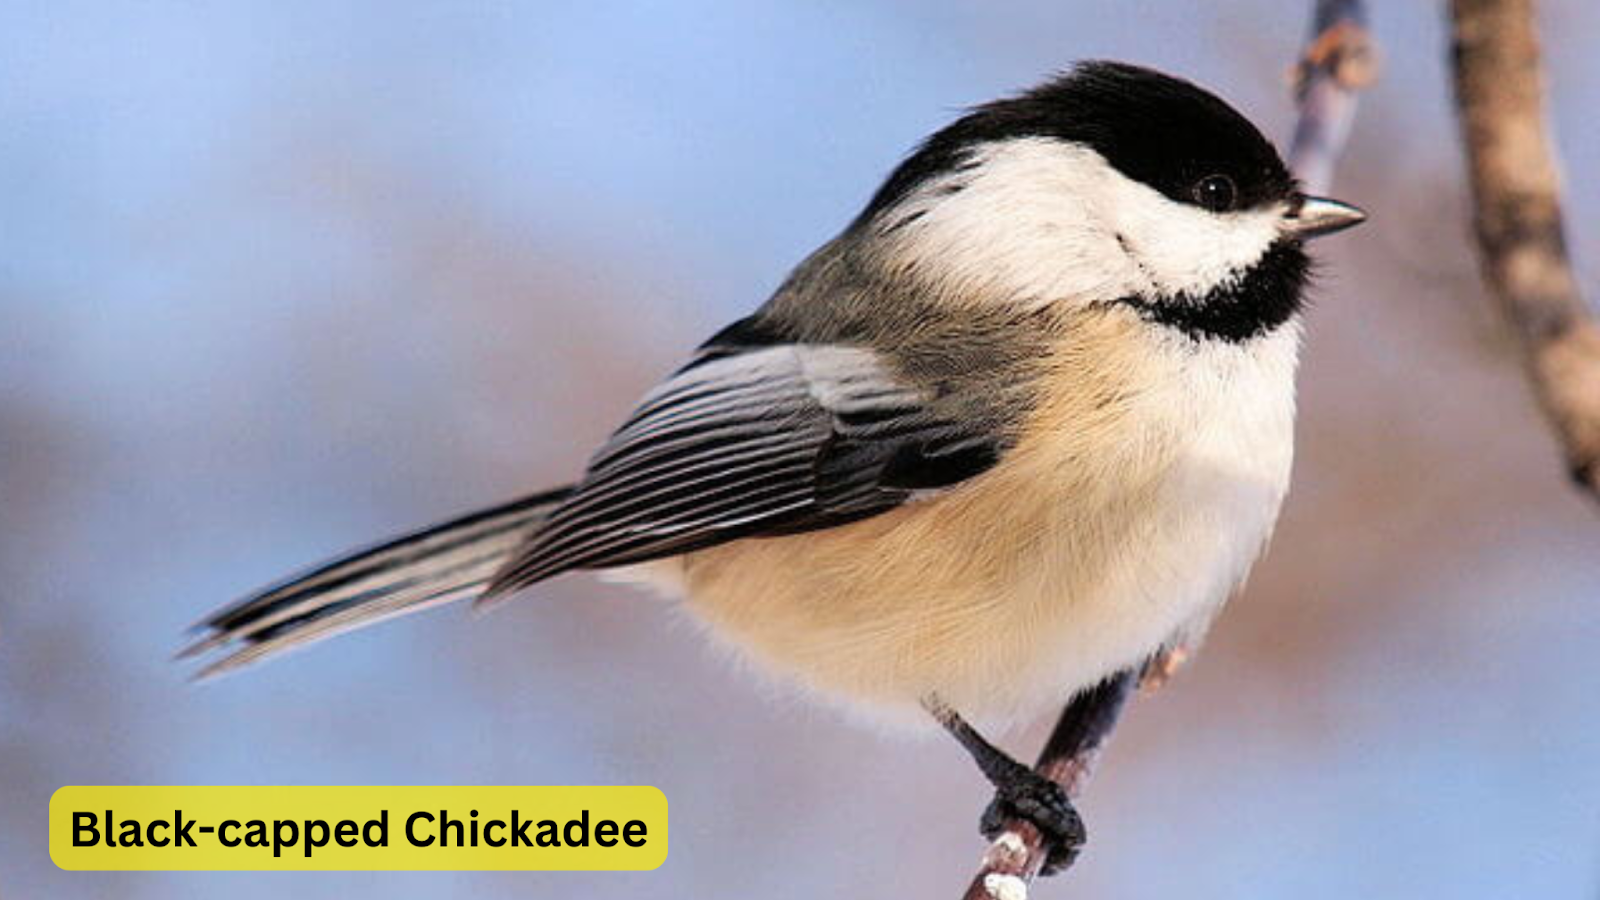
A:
<point x="1516" y="191"/>
<point x="1337" y="62"/>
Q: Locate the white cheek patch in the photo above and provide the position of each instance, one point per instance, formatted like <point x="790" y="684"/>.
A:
<point x="1185" y="250"/>
<point x="1016" y="225"/>
<point x="1035" y="221"/>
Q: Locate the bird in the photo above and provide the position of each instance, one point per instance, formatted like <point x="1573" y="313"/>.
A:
<point x="1024" y="424"/>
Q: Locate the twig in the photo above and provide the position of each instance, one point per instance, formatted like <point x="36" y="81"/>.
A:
<point x="1338" y="61"/>
<point x="1516" y="192"/>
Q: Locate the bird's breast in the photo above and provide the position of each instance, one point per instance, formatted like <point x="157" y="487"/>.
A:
<point x="1143" y="488"/>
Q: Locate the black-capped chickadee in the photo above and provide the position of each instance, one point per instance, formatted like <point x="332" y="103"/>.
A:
<point x="1024" y="424"/>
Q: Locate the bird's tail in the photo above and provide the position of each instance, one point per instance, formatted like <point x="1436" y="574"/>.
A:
<point x="451" y="561"/>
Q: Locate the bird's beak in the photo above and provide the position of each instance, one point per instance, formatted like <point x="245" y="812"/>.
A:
<point x="1317" y="216"/>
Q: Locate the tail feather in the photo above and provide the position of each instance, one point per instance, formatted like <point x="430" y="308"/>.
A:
<point x="447" y="562"/>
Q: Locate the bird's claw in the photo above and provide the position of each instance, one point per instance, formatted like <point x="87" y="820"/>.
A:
<point x="1031" y="796"/>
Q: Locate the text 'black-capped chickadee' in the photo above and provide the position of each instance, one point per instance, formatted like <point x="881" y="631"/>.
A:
<point x="1024" y="424"/>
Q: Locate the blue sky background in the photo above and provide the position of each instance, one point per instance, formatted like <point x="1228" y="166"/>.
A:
<point x="280" y="278"/>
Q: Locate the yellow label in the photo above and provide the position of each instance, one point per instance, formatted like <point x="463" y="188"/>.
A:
<point x="368" y="828"/>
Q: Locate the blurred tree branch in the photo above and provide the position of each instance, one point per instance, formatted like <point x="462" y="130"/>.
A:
<point x="1516" y="190"/>
<point x="1338" y="60"/>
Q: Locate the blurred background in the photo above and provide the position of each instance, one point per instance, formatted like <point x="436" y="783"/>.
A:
<point x="281" y="278"/>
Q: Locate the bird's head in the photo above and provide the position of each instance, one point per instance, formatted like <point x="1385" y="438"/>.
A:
<point x="1111" y="183"/>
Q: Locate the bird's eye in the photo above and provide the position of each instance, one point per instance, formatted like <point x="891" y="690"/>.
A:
<point x="1216" y="193"/>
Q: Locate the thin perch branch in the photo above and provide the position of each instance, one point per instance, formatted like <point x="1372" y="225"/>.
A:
<point x="1337" y="62"/>
<point x="1516" y="191"/>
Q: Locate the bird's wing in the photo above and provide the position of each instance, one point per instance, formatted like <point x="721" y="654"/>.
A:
<point x="757" y="440"/>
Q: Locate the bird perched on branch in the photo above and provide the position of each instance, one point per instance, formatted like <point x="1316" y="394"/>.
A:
<point x="1025" y="423"/>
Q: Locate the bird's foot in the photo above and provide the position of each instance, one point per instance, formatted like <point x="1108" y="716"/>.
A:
<point x="1022" y="793"/>
<point x="1019" y="793"/>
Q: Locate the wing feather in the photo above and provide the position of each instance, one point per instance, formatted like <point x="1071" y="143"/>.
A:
<point x="770" y="439"/>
